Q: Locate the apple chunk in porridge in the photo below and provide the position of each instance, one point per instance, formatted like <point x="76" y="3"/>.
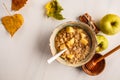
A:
<point x="77" y="42"/>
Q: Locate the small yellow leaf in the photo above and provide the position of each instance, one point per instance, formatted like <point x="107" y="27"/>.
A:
<point x="53" y="9"/>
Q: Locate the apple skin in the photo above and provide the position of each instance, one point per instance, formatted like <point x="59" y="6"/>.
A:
<point x="102" y="43"/>
<point x="110" y="24"/>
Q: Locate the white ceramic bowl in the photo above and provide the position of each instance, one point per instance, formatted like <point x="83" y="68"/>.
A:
<point x="90" y="33"/>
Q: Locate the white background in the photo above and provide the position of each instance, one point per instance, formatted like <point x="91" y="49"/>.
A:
<point x="23" y="57"/>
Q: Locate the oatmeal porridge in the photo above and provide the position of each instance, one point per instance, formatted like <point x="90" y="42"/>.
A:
<point x="76" y="41"/>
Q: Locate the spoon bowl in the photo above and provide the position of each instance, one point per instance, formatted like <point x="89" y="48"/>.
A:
<point x="97" y="68"/>
<point x="97" y="63"/>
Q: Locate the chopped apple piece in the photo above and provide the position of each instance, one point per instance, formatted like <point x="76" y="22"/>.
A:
<point x="70" y="42"/>
<point x="69" y="30"/>
<point x="70" y="56"/>
<point x="80" y="30"/>
<point x="83" y="35"/>
<point x="62" y="46"/>
<point x="84" y="41"/>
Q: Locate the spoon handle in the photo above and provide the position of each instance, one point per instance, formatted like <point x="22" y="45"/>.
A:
<point x="107" y="54"/>
<point x="56" y="56"/>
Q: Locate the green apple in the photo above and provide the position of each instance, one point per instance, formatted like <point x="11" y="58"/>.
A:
<point x="102" y="43"/>
<point x="110" y="24"/>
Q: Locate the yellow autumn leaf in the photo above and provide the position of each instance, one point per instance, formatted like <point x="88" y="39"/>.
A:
<point x="12" y="23"/>
<point x="53" y="9"/>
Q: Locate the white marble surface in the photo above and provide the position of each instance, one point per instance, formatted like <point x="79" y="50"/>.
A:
<point x="24" y="56"/>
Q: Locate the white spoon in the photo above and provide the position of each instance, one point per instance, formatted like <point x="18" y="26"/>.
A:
<point x="56" y="56"/>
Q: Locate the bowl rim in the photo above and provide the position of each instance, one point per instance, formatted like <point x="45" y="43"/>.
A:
<point x="82" y="25"/>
